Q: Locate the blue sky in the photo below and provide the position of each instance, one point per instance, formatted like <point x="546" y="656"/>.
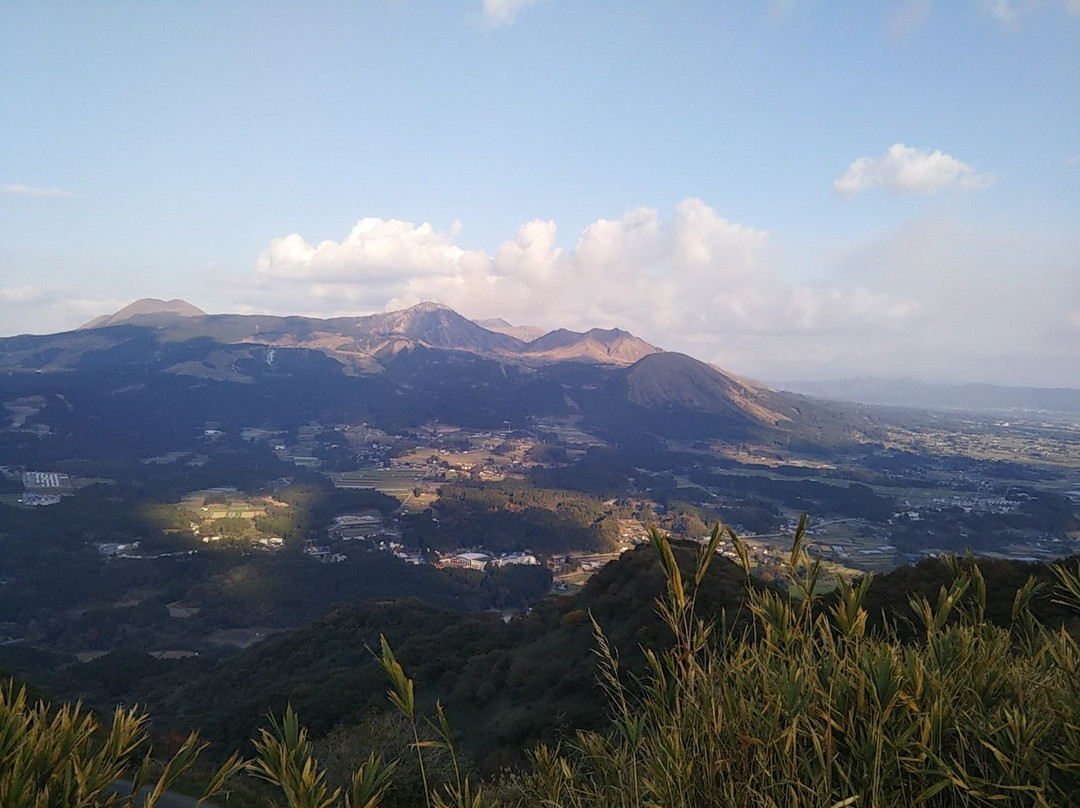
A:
<point x="789" y="189"/>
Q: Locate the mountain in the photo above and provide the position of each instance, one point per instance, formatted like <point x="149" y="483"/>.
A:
<point x="671" y="395"/>
<point x="674" y="380"/>
<point x="525" y="333"/>
<point x="962" y="397"/>
<point x="608" y="346"/>
<point x="398" y="369"/>
<point x="360" y="343"/>
<point x="431" y="325"/>
<point x="512" y="684"/>
<point x="144" y="309"/>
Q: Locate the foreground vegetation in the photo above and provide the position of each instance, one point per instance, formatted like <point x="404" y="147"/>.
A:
<point x="808" y="706"/>
<point x="811" y="710"/>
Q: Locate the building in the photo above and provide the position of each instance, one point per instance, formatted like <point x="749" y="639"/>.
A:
<point x="469" y="561"/>
<point x="527" y="559"/>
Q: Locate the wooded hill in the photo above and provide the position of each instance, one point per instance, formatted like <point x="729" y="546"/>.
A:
<point x="508" y="685"/>
<point x="798" y="700"/>
<point x="396" y="370"/>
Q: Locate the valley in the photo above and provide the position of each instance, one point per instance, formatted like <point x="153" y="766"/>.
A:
<point x="172" y="502"/>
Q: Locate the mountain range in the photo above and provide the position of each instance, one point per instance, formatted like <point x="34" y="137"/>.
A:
<point x="421" y="363"/>
<point x="357" y="341"/>
<point x="989" y="398"/>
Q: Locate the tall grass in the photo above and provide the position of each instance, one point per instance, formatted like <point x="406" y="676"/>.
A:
<point x="805" y="708"/>
<point x="808" y="709"/>
<point x="66" y="758"/>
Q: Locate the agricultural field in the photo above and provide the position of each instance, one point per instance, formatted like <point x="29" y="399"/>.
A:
<point x="214" y="516"/>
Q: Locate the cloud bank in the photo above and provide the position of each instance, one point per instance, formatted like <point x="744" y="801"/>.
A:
<point x="905" y="170"/>
<point x="693" y="282"/>
<point x="696" y="271"/>
<point x="933" y="299"/>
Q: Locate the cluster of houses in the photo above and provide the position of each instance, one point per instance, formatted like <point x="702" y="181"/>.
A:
<point x="35" y="499"/>
<point x="45" y="479"/>
<point x="369" y="528"/>
<point x="323" y="554"/>
<point x="481" y="561"/>
<point x="347" y="528"/>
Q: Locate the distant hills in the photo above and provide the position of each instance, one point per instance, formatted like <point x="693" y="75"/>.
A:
<point x="509" y="685"/>
<point x="146" y="307"/>
<point x="410" y="366"/>
<point x="525" y="333"/>
<point x="364" y="345"/>
<point x="610" y="346"/>
<point x="677" y="380"/>
<point x="357" y="341"/>
<point x="959" y="397"/>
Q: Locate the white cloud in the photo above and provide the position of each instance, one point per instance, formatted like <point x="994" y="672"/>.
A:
<point x="23" y="295"/>
<point x="905" y="170"/>
<point x="686" y="283"/>
<point x="780" y="10"/>
<point x="375" y="249"/>
<point x="503" y="12"/>
<point x="934" y="299"/>
<point x="828" y="310"/>
<point x="29" y="190"/>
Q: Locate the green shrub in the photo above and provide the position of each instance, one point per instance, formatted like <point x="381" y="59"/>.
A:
<point x="806" y="707"/>
<point x="66" y="759"/>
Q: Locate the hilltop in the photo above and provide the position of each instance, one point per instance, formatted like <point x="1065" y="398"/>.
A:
<point x="147" y="307"/>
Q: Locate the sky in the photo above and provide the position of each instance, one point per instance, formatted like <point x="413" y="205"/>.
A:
<point x="790" y="189"/>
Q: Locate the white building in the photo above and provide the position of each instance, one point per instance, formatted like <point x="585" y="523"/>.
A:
<point x="471" y="561"/>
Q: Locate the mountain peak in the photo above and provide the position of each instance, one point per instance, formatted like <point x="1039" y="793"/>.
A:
<point x="145" y="307"/>
<point x="606" y="345"/>
<point x="525" y="333"/>
<point x="493" y="322"/>
<point x="426" y="307"/>
<point x="437" y="326"/>
<point x="670" y="379"/>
